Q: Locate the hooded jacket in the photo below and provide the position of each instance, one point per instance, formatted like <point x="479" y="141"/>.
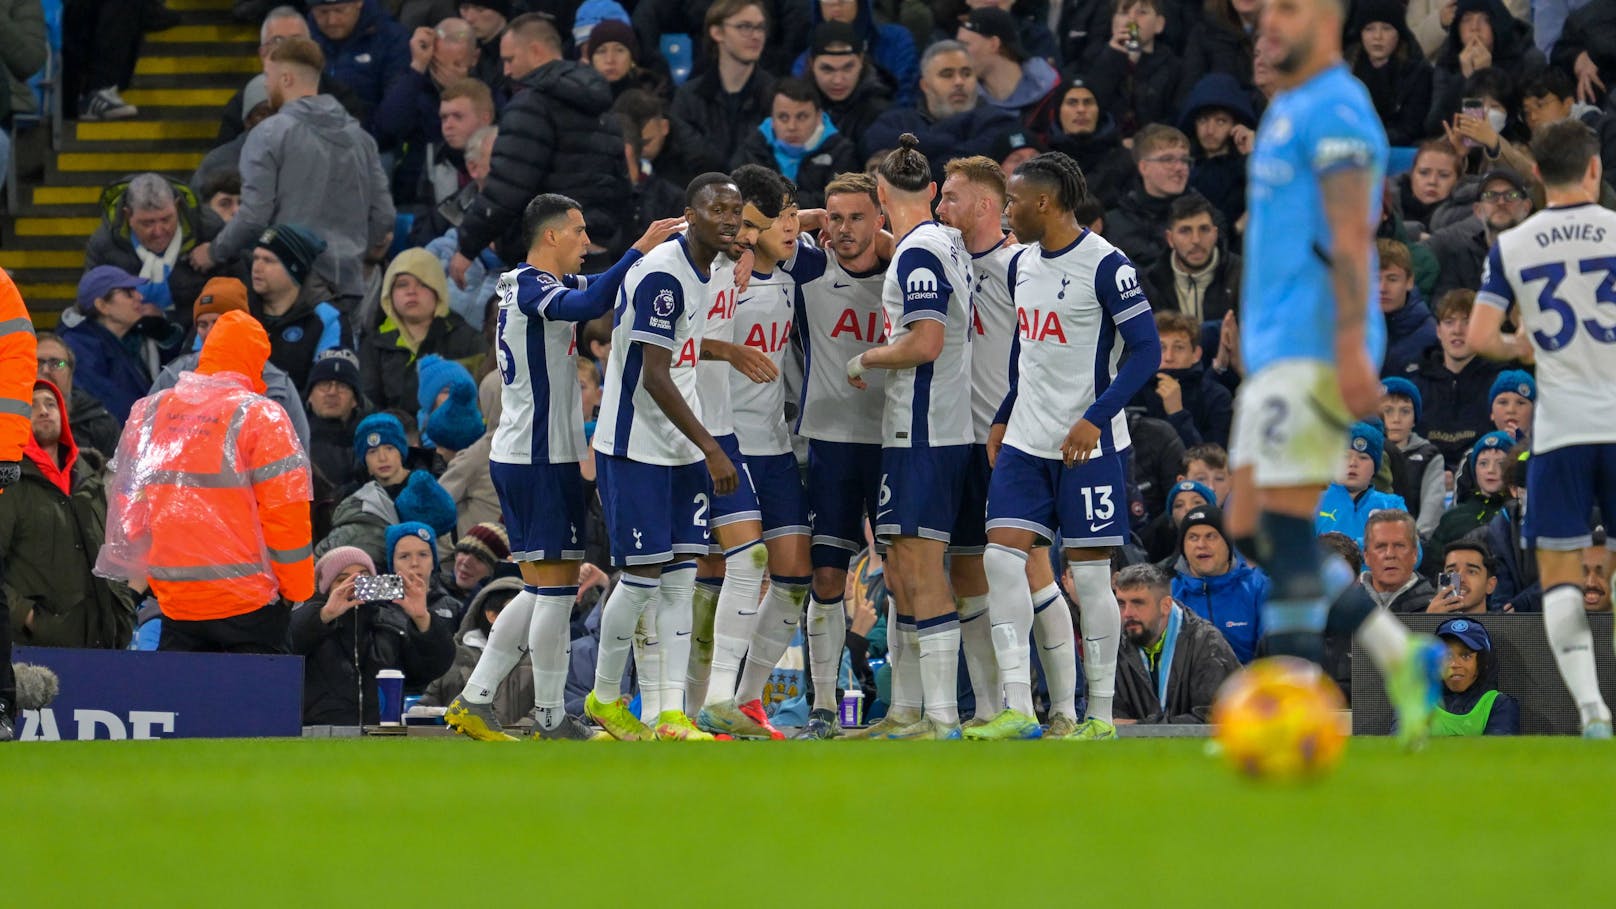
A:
<point x="889" y="45"/>
<point x="554" y="136"/>
<point x="19" y="364"/>
<point x="1342" y="512"/>
<point x="388" y="356"/>
<point x="1031" y="99"/>
<point x="1512" y="52"/>
<point x="1198" y="661"/>
<point x="1456" y="408"/>
<point x="370" y="59"/>
<point x="113" y="243"/>
<point x="513" y="699"/>
<point x="1221" y="178"/>
<point x="339" y="691"/>
<point x="1410" y="332"/>
<point x="311" y="163"/>
<point x="811" y="167"/>
<point x="972" y="132"/>
<point x="361" y="520"/>
<point x="278" y="387"/>
<point x="1231" y="602"/>
<point x="52" y="522"/>
<point x="1208" y="408"/>
<point x="1401" y="87"/>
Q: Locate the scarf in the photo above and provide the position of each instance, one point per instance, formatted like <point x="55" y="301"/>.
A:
<point x="155" y="268"/>
<point x="789" y="157"/>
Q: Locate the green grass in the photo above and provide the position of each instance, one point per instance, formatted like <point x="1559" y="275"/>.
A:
<point x="448" y="823"/>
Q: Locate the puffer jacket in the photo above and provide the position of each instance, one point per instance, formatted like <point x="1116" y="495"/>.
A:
<point x="553" y="137"/>
<point x="113" y="243"/>
<point x="1418" y="475"/>
<point x="1410" y="332"/>
<point x="1469" y="516"/>
<point x="1232" y="602"/>
<point x="362" y="520"/>
<point x="513" y="699"/>
<point x="370" y="59"/>
<point x="302" y="333"/>
<point x="339" y="692"/>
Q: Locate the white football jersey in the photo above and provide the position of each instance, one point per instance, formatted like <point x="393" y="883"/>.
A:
<point x="712" y="376"/>
<point x="663" y="303"/>
<point x="1559" y="266"/>
<point x="541" y="409"/>
<point x="763" y="322"/>
<point x="930" y="279"/>
<point x="1069" y="303"/>
<point x="839" y="316"/>
<point x="993" y="326"/>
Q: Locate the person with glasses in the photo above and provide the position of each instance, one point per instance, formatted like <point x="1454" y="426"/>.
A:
<point x="108" y="333"/>
<point x="727" y="101"/>
<point x="1504" y="200"/>
<point x="93" y="426"/>
<point x="1138" y="225"/>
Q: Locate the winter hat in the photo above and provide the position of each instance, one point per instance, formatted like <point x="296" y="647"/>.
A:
<point x="433" y="376"/>
<point x="219" y="296"/>
<point x="379" y="429"/>
<point x="255" y="92"/>
<point x="1517" y="380"/>
<point x="1183" y="486"/>
<point x="457" y="424"/>
<point x="1497" y="440"/>
<point x="1209" y="515"/>
<point x="423" y="500"/>
<point x="1366" y="439"/>
<point x="1364" y="12"/>
<point x="1217" y="91"/>
<point x="486" y="541"/>
<point x="1402" y="388"/>
<point x="612" y="32"/>
<point x="1015" y="141"/>
<point x="503" y="7"/>
<point x="297" y="247"/>
<point x="592" y="13"/>
<point x="415" y="529"/>
<point x="337" y="365"/>
<point x="336" y="561"/>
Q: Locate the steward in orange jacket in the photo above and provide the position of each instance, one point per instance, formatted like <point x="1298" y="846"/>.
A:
<point x="19" y="363"/>
<point x="210" y="502"/>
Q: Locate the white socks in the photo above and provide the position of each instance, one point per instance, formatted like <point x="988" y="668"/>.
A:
<point x="673" y="630"/>
<point x="1101" y="620"/>
<point x="1566" y="622"/>
<point x="981" y="666"/>
<point x="939" y="646"/>
<point x="648" y="662"/>
<point x="618" y="620"/>
<point x="1012" y="622"/>
<point x="506" y="641"/>
<point x="903" y="657"/>
<point x="782" y="612"/>
<point x="1052" y="629"/>
<point x="703" y="610"/>
<point x="827" y="638"/>
<point x="737" y="616"/>
<point x="549" y="641"/>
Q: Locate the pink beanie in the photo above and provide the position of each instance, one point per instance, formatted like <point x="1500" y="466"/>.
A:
<point x="334" y="562"/>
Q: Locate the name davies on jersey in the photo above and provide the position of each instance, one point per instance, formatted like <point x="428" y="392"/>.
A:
<point x="1591" y="233"/>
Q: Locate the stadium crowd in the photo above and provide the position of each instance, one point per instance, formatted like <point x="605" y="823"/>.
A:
<point x="342" y="244"/>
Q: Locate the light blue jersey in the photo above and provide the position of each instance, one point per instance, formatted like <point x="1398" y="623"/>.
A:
<point x="1287" y="312"/>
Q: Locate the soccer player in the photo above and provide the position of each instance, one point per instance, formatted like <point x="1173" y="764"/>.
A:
<point x="839" y="316"/>
<point x="1063" y="434"/>
<point x="1312" y="343"/>
<point x="650" y="448"/>
<point x="925" y="427"/>
<point x="534" y="462"/>
<point x="1557" y="267"/>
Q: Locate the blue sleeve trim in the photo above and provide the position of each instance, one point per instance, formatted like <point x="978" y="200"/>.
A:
<point x="594" y="295"/>
<point x="924" y="282"/>
<point x="659" y="302"/>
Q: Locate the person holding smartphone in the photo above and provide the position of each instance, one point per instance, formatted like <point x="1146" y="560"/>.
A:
<point x="1466" y="579"/>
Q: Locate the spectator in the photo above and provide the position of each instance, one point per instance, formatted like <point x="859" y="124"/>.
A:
<point x="1410" y="327"/>
<point x="1486" y="468"/>
<point x="1496" y="136"/>
<point x="1418" y="471"/>
<point x="477" y="555"/>
<point x="309" y="164"/>
<point x="464" y="109"/>
<point x="447" y="395"/>
<point x="392" y="494"/>
<point x="614" y="52"/>
<point x="1219" y="121"/>
<point x="226" y="157"/>
<point x="1513" y="395"/>
<point x="1391" y="553"/>
<point x="279" y="25"/>
<point x="1587" y="50"/>
<point x="221" y="193"/>
<point x="412" y="551"/>
<point x="552" y="134"/>
<point x="224" y="553"/>
<point x="1388" y="60"/>
<point x="331" y="630"/>
<point x="1466" y="580"/>
<point x="1197" y="276"/>
<point x="94" y="427"/>
<point x="1550" y="96"/>
<point x="219" y="296"/>
<point x="417" y="108"/>
<point x="800" y="142"/>
<point x="300" y="329"/>
<point x="1215" y="582"/>
<point x="1161" y="536"/>
<point x="17" y="344"/>
<point x="848" y="87"/>
<point x="1157" y="455"/>
<point x="52" y="521"/>
<point x="1454" y="382"/>
<point x="1078" y="127"/>
<point x="467" y="479"/>
<point x="1157" y="630"/>
<point x="1208" y="464"/>
<point x="363" y="48"/>
<point x="114" y="354"/>
<point x="417" y="321"/>
<point x="100" y="44"/>
<point x="23" y="52"/>
<point x="1430" y="180"/>
<point x="1482" y="34"/>
<point x="1185" y="394"/>
<point x="1471" y="702"/>
<point x="1223" y="42"/>
<point x="488" y="20"/>
<point x="148" y="225"/>
<point x="1345" y="506"/>
<point x="1596" y="574"/>
<point x="1135" y="76"/>
<point x="890" y="47"/>
<point x="1007" y="78"/>
<point x="336" y="405"/>
<point x="1514" y="560"/>
<point x="513" y="699"/>
<point x="1014" y="149"/>
<point x="951" y="122"/>
<point x="731" y="97"/>
<point x="663" y="140"/>
<point x="1138" y="225"/>
<point x="482" y="277"/>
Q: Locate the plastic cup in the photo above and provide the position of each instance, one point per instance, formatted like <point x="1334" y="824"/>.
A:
<point x="390" y="696"/>
<point x="853" y="707"/>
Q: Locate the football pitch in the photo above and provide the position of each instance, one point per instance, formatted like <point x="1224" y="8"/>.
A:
<point x="448" y="822"/>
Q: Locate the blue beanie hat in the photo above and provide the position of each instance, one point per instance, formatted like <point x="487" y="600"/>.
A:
<point x="1498" y="440"/>
<point x="1366" y="439"/>
<point x="456" y="424"/>
<point x="1517" y="380"/>
<point x="415" y="529"/>
<point x="1403" y="388"/>
<point x="379" y="429"/>
<point x="423" y="500"/>
<point x="433" y="375"/>
<point x="1183" y="486"/>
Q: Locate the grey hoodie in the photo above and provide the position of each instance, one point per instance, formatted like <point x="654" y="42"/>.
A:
<point x="277" y="383"/>
<point x="312" y="164"/>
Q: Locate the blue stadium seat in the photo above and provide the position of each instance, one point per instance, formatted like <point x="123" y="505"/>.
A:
<point x="676" y="49"/>
<point x="1401" y="160"/>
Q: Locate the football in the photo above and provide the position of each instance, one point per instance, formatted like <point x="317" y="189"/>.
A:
<point x="1279" y="719"/>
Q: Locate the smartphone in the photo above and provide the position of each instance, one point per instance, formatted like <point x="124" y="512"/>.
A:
<point x="371" y="588"/>
<point x="1473" y="107"/>
<point x="1453" y="582"/>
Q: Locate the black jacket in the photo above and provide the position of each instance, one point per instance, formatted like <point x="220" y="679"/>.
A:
<point x="836" y="155"/>
<point x="1136" y="93"/>
<point x="331" y="448"/>
<point x="1220" y="296"/>
<point x="1591" y="29"/>
<point x="1108" y="168"/>
<point x="972" y="132"/>
<point x="1456" y="410"/>
<point x="1513" y="52"/>
<point x="1214" y="47"/>
<point x="1460" y="250"/>
<point x="553" y="137"/>
<point x="1408" y="468"/>
<point x="336" y="691"/>
<point x="388" y="368"/>
<point x="1401" y="90"/>
<point x="298" y="335"/>
<point x="1208" y="406"/>
<point x="1156" y="456"/>
<point x="716" y="130"/>
<point x="1202" y="660"/>
<point x="1137" y="226"/>
<point x="93" y="425"/>
<point x="854" y="114"/>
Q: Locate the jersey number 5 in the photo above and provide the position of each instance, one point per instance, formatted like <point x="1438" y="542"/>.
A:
<point x="1551" y="274"/>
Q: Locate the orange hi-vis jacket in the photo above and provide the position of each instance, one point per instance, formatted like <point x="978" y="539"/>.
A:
<point x="211" y="488"/>
<point x="19" y="364"/>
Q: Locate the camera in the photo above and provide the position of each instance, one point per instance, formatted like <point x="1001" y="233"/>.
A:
<point x="372" y="587"/>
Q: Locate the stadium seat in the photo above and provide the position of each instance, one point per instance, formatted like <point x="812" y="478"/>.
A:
<point x="1401" y="160"/>
<point x="676" y="50"/>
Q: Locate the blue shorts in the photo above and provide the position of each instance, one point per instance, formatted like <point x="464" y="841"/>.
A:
<point x="742" y="504"/>
<point x="920" y="491"/>
<point x="1087" y="503"/>
<point x="971" y="528"/>
<point x="844" y="487"/>
<point x="1562" y="488"/>
<point x="779" y="492"/>
<point x="653" y="512"/>
<point x="542" y="506"/>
